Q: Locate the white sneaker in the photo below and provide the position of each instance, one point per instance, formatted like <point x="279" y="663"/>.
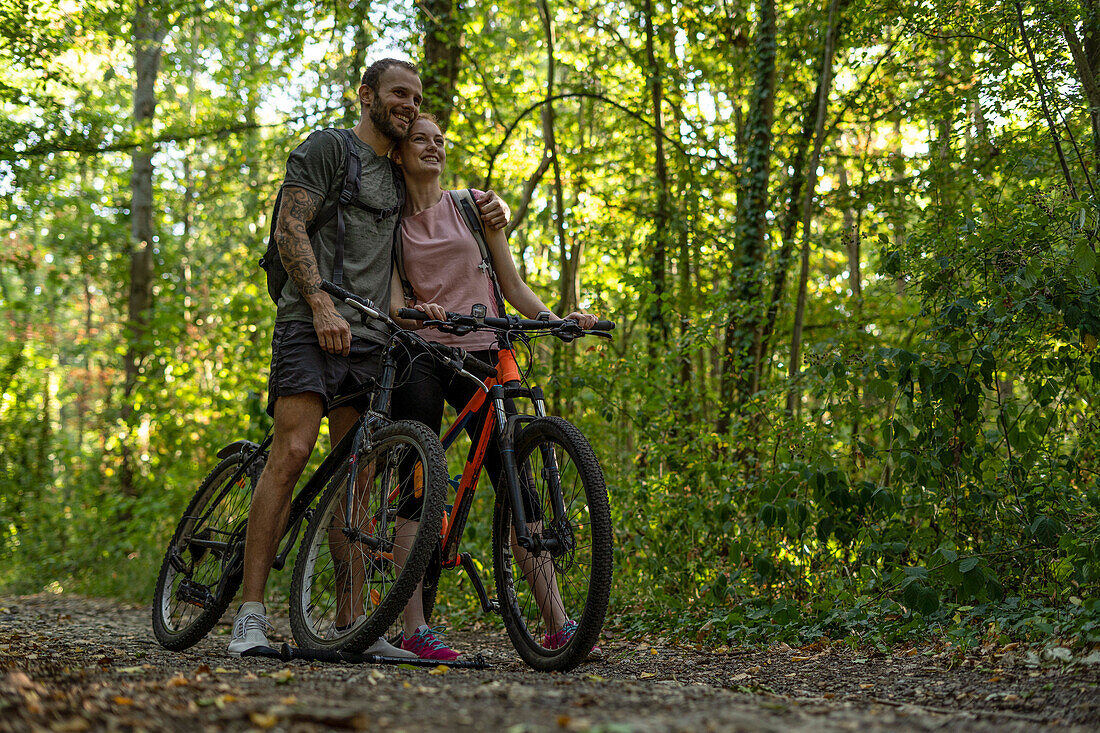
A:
<point x="385" y="649"/>
<point x="250" y="629"/>
<point x="380" y="647"/>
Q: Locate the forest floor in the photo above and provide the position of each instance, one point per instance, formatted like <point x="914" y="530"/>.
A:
<point x="74" y="664"/>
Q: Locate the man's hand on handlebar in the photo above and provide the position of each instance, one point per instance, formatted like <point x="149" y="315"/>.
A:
<point x="586" y="321"/>
<point x="333" y="331"/>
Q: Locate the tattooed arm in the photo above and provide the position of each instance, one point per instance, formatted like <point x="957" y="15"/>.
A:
<point x="298" y="208"/>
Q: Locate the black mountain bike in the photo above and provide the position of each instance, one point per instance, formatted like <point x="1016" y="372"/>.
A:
<point x="347" y="587"/>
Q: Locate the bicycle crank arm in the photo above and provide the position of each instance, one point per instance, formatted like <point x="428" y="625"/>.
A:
<point x="288" y="652"/>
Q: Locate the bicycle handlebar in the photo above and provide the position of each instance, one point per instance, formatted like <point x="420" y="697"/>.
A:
<point x="363" y="305"/>
<point x="508" y="323"/>
<point x="454" y="356"/>
<point x="459" y="360"/>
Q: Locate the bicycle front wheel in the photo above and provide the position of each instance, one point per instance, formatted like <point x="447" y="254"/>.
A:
<point x="349" y="580"/>
<point x="569" y="583"/>
<point x="201" y="569"/>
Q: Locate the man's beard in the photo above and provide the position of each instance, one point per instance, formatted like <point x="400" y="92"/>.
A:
<point x="382" y="122"/>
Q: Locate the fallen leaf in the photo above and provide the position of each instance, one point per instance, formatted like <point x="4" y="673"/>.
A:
<point x="288" y="700"/>
<point x="740" y="677"/>
<point x="263" y="720"/>
<point x="866" y="686"/>
<point x="375" y="677"/>
<point x="563" y="721"/>
<point x="131" y="670"/>
<point x="647" y="675"/>
<point x="829" y="695"/>
<point x="282" y="676"/>
<point x="440" y="669"/>
<point x="178" y="681"/>
<point x="120" y="700"/>
<point x="202" y="669"/>
<point x="72" y="725"/>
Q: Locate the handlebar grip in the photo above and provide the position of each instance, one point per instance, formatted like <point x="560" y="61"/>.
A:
<point x="338" y="292"/>
<point x="412" y="314"/>
<point x="603" y="326"/>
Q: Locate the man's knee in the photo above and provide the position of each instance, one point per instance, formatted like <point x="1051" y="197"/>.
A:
<point x="297" y="422"/>
<point x="291" y="453"/>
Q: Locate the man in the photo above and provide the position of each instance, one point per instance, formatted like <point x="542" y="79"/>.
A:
<point x="320" y="348"/>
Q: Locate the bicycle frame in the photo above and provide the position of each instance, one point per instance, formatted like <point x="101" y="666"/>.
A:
<point x="503" y="425"/>
<point x="301" y="504"/>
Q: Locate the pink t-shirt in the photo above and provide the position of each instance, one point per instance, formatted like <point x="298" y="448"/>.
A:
<point x="442" y="262"/>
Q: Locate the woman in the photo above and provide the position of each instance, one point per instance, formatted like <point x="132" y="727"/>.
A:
<point x="441" y="261"/>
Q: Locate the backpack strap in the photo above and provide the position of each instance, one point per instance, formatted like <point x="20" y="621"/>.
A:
<point x="464" y="202"/>
<point x="349" y="196"/>
<point x="399" y="265"/>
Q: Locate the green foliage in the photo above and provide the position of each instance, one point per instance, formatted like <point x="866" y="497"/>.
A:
<point x="938" y="472"/>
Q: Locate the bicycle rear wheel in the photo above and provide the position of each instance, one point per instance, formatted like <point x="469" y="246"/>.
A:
<point x="347" y="587"/>
<point x="201" y="570"/>
<point x="572" y="581"/>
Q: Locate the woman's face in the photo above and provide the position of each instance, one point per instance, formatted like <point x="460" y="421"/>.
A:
<point x="422" y="153"/>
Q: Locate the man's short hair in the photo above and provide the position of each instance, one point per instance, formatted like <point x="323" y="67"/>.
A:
<point x="373" y="75"/>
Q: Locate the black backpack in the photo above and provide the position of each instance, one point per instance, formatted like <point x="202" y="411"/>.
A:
<point x="272" y="263"/>
<point x="464" y="202"/>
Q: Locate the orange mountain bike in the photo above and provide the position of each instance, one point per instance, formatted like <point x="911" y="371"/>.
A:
<point x="551" y="520"/>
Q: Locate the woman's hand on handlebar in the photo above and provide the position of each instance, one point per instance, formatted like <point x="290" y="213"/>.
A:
<point x="433" y="311"/>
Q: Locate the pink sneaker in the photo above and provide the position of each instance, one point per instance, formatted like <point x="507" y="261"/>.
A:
<point x="426" y="645"/>
<point x="563" y="637"/>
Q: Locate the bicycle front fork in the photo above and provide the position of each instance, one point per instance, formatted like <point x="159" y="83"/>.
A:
<point x="506" y="431"/>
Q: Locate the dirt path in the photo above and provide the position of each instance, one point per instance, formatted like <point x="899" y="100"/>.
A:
<point x="73" y="664"/>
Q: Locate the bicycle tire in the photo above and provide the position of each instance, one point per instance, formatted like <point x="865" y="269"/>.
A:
<point x="582" y="570"/>
<point x="314" y="600"/>
<point x="186" y="603"/>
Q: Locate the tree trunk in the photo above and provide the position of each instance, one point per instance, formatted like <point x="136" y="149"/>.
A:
<point x="752" y="224"/>
<point x="1055" y="136"/>
<point x="443" y="41"/>
<point x="357" y="59"/>
<point x="851" y="237"/>
<point x="659" y="251"/>
<point x="790" y="221"/>
<point x="147" y="35"/>
<point x="794" y="398"/>
<point x="1086" y="60"/>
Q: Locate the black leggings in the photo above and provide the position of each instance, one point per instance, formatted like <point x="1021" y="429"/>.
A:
<point x="425" y="384"/>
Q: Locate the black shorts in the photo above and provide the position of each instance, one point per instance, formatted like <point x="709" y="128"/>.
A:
<point x="299" y="365"/>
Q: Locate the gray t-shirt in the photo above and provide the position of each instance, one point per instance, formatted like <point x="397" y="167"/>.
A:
<point x="317" y="165"/>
